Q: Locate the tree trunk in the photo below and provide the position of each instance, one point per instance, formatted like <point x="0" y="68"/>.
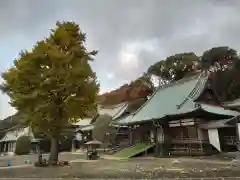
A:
<point x="53" y="157"/>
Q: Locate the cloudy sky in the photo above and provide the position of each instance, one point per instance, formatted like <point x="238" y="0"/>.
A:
<point x="129" y="34"/>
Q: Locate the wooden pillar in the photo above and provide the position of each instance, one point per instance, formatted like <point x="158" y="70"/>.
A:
<point x="152" y="136"/>
<point x="10" y="146"/>
<point x="205" y="146"/>
<point x="200" y="137"/>
<point x="238" y="135"/>
<point x="73" y="146"/>
<point x="162" y="140"/>
<point x="14" y="146"/>
<point x="130" y="135"/>
<point x="7" y="146"/>
<point x="159" y="134"/>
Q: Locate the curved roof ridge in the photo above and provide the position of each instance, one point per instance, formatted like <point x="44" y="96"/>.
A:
<point x="121" y="111"/>
<point x="201" y="82"/>
<point x="112" y="106"/>
<point x="181" y="81"/>
<point x="200" y="87"/>
<point x="114" y="111"/>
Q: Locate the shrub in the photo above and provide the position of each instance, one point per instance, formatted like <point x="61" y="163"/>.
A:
<point x="23" y="145"/>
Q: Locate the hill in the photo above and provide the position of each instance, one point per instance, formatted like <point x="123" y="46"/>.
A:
<point x="127" y="93"/>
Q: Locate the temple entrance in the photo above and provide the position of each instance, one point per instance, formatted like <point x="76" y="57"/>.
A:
<point x="228" y="139"/>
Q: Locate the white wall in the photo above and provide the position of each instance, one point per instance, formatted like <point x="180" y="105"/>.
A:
<point x="214" y="138"/>
<point x="238" y="130"/>
<point x="13" y="135"/>
<point x="78" y="136"/>
<point x="151" y="136"/>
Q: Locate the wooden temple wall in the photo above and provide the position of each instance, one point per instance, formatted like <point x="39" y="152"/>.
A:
<point x="183" y="130"/>
<point x="122" y="137"/>
<point x="184" y="137"/>
<point x="134" y="134"/>
<point x="188" y="139"/>
<point x="228" y="139"/>
<point x="143" y="133"/>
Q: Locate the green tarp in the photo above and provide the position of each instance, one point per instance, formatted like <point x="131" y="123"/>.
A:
<point x="133" y="150"/>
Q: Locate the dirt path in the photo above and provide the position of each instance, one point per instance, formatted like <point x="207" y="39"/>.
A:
<point x="21" y="160"/>
<point x="133" y="168"/>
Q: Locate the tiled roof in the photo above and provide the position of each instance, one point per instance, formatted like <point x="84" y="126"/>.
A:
<point x="124" y="120"/>
<point x="195" y="93"/>
<point x="219" y="110"/>
<point x="83" y="122"/>
<point x="87" y="128"/>
<point x="168" y="99"/>
<point x="215" y="124"/>
<point x="235" y="103"/>
<point x="13" y="135"/>
<point x="207" y="108"/>
<point x="113" y="111"/>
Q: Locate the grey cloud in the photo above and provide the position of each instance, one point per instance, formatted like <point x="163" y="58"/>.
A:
<point x="109" y="24"/>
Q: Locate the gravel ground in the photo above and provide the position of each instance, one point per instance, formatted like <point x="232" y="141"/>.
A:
<point x="133" y="168"/>
<point x="19" y="160"/>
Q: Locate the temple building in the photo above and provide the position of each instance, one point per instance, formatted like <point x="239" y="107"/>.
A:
<point x="8" y="141"/>
<point x="184" y="117"/>
<point x="85" y="126"/>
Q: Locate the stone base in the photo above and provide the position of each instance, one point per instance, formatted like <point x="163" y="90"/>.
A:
<point x="10" y="153"/>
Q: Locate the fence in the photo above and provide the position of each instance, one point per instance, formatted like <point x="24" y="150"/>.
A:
<point x="231" y="140"/>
